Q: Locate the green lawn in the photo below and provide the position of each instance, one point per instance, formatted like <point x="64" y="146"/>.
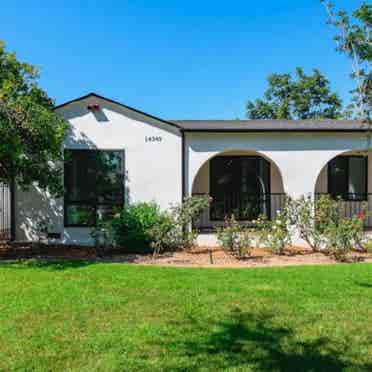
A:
<point x="88" y="317"/>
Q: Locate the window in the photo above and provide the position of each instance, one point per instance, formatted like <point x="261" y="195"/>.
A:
<point x="347" y="177"/>
<point x="94" y="185"/>
<point x="239" y="185"/>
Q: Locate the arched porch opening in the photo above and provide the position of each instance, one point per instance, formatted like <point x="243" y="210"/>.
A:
<point x="348" y="177"/>
<point x="245" y="184"/>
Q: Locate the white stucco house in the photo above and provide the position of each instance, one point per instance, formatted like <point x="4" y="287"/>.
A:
<point x="119" y="154"/>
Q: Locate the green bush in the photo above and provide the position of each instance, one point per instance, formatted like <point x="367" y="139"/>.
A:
<point x="343" y="237"/>
<point x="144" y="228"/>
<point x="311" y="221"/>
<point x="276" y="234"/>
<point x="322" y="226"/>
<point x="132" y="224"/>
<point x="174" y="232"/>
<point x="235" y="238"/>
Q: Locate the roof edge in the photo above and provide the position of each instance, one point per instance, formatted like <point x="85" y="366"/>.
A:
<point x="92" y="94"/>
<point x="281" y="130"/>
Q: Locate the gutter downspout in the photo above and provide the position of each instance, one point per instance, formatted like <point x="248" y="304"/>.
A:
<point x="12" y="211"/>
<point x="183" y="166"/>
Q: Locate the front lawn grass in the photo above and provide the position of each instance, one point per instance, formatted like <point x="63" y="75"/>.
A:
<point x="99" y="316"/>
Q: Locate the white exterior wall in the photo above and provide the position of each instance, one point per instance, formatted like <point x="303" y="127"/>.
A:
<point x="300" y="159"/>
<point x="153" y="169"/>
<point x="299" y="156"/>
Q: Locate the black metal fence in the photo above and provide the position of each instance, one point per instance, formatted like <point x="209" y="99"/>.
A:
<point x="5" y="212"/>
<point x="248" y="208"/>
<point x="353" y="205"/>
<point x="245" y="208"/>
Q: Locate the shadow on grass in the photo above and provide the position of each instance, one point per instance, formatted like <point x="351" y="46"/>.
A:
<point x="253" y="342"/>
<point x="57" y="263"/>
<point x="364" y="284"/>
<point x="45" y="264"/>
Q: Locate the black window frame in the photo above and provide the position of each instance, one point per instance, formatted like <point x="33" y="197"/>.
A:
<point x="347" y="196"/>
<point x="266" y="196"/>
<point x="89" y="202"/>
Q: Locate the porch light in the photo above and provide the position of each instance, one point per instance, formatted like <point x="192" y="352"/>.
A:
<point x="93" y="107"/>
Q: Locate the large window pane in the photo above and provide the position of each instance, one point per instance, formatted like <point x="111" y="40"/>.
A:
<point x="109" y="177"/>
<point x="347" y="176"/>
<point x="338" y="176"/>
<point x="80" y="175"/>
<point x="94" y="185"/>
<point x="357" y="177"/>
<point x="237" y="185"/>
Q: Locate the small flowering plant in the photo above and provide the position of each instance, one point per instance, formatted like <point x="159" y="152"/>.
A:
<point x="235" y="238"/>
<point x="339" y="234"/>
<point x="344" y="237"/>
<point x="276" y="233"/>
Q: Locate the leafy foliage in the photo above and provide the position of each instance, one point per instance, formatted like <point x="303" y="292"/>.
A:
<point x="340" y="234"/>
<point x="132" y="224"/>
<point x="276" y="234"/>
<point x="321" y="224"/>
<point x="305" y="97"/>
<point x="310" y="220"/>
<point x="31" y="134"/>
<point x="343" y="237"/>
<point x="143" y="227"/>
<point x="235" y="238"/>
<point x="175" y="231"/>
<point x="354" y="40"/>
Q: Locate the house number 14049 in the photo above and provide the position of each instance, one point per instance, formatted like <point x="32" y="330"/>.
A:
<point x="153" y="139"/>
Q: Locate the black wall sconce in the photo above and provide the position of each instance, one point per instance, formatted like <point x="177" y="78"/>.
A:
<point x="93" y="107"/>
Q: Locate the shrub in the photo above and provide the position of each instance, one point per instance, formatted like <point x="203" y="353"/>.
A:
<point x="367" y="245"/>
<point x="321" y="225"/>
<point x="327" y="210"/>
<point x="275" y="234"/>
<point x="161" y="235"/>
<point x="308" y="221"/>
<point x="132" y="224"/>
<point x="143" y="227"/>
<point x="235" y="238"/>
<point x="183" y="215"/>
<point x="103" y="236"/>
<point x="175" y="231"/>
<point x="343" y="237"/>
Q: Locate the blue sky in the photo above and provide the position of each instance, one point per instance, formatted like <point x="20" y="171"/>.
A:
<point x="178" y="60"/>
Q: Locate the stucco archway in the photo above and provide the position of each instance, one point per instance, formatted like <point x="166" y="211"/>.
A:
<point x="258" y="189"/>
<point x="321" y="181"/>
<point x="200" y="182"/>
<point x="348" y="176"/>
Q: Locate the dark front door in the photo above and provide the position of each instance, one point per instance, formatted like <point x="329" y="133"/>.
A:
<point x="239" y="185"/>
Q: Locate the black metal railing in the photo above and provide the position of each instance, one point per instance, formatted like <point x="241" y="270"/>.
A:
<point x="248" y="207"/>
<point x="245" y="208"/>
<point x="354" y="205"/>
<point x="5" y="212"/>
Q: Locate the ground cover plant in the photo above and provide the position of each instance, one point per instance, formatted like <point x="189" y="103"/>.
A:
<point x="81" y="316"/>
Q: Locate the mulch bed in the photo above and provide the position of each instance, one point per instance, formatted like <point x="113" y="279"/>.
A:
<point x="195" y="257"/>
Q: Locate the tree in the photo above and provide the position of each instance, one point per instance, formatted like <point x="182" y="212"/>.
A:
<point x="354" y="39"/>
<point x="306" y="97"/>
<point x="31" y="134"/>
